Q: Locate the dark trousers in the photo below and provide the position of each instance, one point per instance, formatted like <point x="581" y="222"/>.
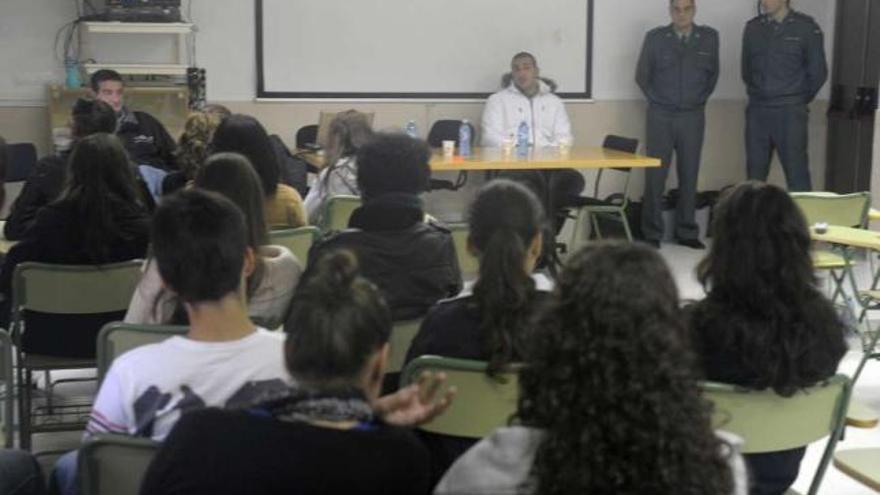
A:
<point x="668" y="132"/>
<point x="784" y="129"/>
<point x="774" y="472"/>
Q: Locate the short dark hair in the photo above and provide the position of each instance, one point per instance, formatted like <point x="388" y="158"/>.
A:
<point x="337" y="320"/>
<point x="104" y="75"/>
<point x="246" y="135"/>
<point x="393" y="163"/>
<point x="90" y="116"/>
<point x="524" y="55"/>
<point x="199" y="240"/>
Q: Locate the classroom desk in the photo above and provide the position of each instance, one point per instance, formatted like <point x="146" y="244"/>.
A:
<point x="538" y="158"/>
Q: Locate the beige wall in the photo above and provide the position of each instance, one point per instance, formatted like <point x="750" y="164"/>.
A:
<point x="723" y="154"/>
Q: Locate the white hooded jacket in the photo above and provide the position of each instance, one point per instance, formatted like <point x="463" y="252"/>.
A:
<point x="544" y="113"/>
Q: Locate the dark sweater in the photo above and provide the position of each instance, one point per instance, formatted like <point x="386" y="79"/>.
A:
<point x="223" y="452"/>
<point x="42" y="186"/>
<point x="147" y="141"/>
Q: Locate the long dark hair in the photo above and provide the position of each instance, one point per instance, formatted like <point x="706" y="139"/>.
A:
<point x="99" y="180"/>
<point x="763" y="303"/>
<point x="244" y="134"/>
<point x="337" y="320"/>
<point x="349" y="131"/>
<point x="610" y="380"/>
<point x="504" y="220"/>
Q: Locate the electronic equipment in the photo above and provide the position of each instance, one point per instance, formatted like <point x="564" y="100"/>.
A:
<point x="143" y="11"/>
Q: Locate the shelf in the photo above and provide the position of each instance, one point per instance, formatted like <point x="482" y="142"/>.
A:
<point x="140" y="69"/>
<point x="137" y="27"/>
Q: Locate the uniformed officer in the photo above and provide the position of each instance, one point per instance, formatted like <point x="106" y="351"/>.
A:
<point x="677" y="71"/>
<point x="783" y="66"/>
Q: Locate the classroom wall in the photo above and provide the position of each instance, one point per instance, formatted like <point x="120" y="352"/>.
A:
<point x="225" y="47"/>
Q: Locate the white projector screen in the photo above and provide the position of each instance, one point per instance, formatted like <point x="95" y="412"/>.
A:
<point x="429" y="49"/>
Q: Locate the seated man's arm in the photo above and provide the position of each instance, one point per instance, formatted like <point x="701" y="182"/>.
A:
<point x="562" y="126"/>
<point x="493" y="122"/>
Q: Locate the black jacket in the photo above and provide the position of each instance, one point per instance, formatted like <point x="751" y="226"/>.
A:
<point x="42" y="186"/>
<point x="57" y="237"/>
<point x="783" y="64"/>
<point x="411" y="261"/>
<point x="677" y="76"/>
<point x="147" y="141"/>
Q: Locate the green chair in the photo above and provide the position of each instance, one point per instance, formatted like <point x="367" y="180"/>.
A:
<point x="337" y="211"/>
<point x="62" y="290"/>
<point x="298" y="241"/>
<point x="769" y="423"/>
<point x="482" y="403"/>
<point x="402" y="334"/>
<point x="863" y="465"/>
<point x="467" y="262"/>
<point x="117" y="338"/>
<point x="114" y="464"/>
<point x="7" y="394"/>
<point x="614" y="206"/>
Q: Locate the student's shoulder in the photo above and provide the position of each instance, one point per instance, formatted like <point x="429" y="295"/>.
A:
<point x="707" y="31"/>
<point x="659" y="32"/>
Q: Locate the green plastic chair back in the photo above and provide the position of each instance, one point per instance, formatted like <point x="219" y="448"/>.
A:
<point x="337" y="211"/>
<point x="114" y="464"/>
<point x="7" y="394"/>
<point x="298" y="241"/>
<point x="768" y="422"/>
<point x="402" y="334"/>
<point x="75" y="289"/>
<point x="847" y="210"/>
<point x="468" y="263"/>
<point x="482" y="403"/>
<point x="117" y="338"/>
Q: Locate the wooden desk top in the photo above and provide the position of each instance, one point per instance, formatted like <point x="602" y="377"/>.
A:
<point x="860" y="464"/>
<point x="541" y="158"/>
<point x="848" y="236"/>
<point x="538" y="158"/>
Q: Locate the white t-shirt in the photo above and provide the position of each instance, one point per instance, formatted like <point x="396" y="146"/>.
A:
<point x="146" y="389"/>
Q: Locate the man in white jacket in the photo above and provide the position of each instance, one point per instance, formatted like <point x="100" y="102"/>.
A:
<point x="526" y="97"/>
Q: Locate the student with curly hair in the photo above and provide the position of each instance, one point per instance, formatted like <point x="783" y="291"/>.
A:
<point x="764" y="322"/>
<point x="609" y="401"/>
<point x="193" y="146"/>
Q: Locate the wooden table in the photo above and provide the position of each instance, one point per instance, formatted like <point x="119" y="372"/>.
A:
<point x="538" y="158"/>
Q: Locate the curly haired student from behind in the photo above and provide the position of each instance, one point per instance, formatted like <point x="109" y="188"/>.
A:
<point x="609" y="400"/>
<point x="764" y="322"/>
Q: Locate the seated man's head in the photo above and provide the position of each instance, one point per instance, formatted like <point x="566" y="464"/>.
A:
<point x="109" y="87"/>
<point x="201" y="247"/>
<point x="525" y="73"/>
<point x="393" y="163"/>
<point x="91" y="117"/>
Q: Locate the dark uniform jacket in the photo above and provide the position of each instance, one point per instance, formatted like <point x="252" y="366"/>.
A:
<point x="783" y="63"/>
<point x="42" y="186"/>
<point x="678" y="76"/>
<point x="147" y="141"/>
<point x="411" y="261"/>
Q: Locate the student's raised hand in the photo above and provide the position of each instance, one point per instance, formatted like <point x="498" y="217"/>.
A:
<point x="417" y="403"/>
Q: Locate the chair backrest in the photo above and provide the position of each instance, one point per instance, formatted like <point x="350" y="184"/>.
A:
<point x="117" y="338"/>
<point x="7" y="394"/>
<point x="847" y="210"/>
<point x="769" y="423"/>
<point x="482" y="403"/>
<point x="22" y="158"/>
<point x="307" y="134"/>
<point x="114" y="464"/>
<point x="337" y="211"/>
<point x="618" y="143"/>
<point x="402" y="334"/>
<point x="75" y="289"/>
<point x="298" y="241"/>
<point x="467" y="262"/>
<point x="447" y="130"/>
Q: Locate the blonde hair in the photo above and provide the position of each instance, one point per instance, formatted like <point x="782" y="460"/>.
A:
<point x="349" y="130"/>
<point x="193" y="146"/>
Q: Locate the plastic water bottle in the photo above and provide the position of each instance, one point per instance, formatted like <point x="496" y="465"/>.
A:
<point x="464" y="138"/>
<point x="522" y="139"/>
<point x="411" y="129"/>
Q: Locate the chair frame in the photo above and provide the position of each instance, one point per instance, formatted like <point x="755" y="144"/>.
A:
<point x="397" y="357"/>
<point x="27" y="363"/>
<point x="107" y="351"/>
<point x="277" y="236"/>
<point x="8" y="397"/>
<point x="835" y="429"/>
<point x="88" y="465"/>
<point x="327" y="221"/>
<point x="465" y="258"/>
<point x="508" y="380"/>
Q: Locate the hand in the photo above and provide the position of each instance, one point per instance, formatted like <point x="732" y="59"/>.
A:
<point x="417" y="403"/>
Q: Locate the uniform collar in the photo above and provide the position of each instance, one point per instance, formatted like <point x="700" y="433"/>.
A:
<point x="693" y="34"/>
